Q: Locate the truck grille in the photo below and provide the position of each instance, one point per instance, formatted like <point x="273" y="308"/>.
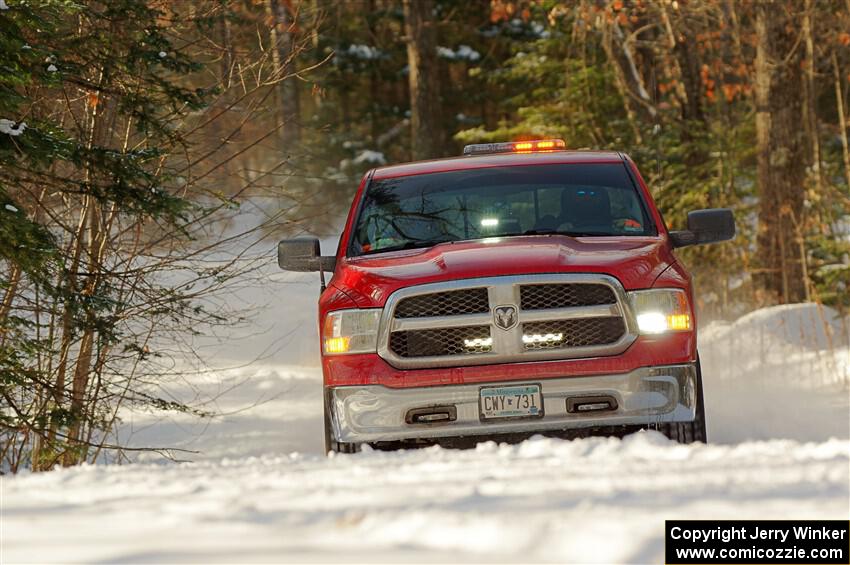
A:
<point x="542" y="296"/>
<point x="506" y="319"/>
<point x="581" y="332"/>
<point x="445" y="341"/>
<point x="451" y="303"/>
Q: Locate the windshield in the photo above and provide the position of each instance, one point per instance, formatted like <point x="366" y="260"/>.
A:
<point x="424" y="210"/>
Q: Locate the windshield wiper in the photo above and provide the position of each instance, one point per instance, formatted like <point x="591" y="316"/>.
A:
<point x="423" y="243"/>
<point x="547" y="231"/>
<point x="412" y="244"/>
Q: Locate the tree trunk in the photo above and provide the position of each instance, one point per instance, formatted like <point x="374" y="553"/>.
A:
<point x="374" y="81"/>
<point x="428" y="138"/>
<point x="689" y="63"/>
<point x="628" y="81"/>
<point x="781" y="152"/>
<point x="811" y="118"/>
<point x="842" y="120"/>
<point x="8" y="298"/>
<point x="282" y="37"/>
<point x="227" y="57"/>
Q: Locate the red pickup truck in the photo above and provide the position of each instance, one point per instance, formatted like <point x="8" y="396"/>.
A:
<point x="519" y="289"/>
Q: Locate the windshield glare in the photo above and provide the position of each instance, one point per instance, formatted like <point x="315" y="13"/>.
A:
<point x="423" y="210"/>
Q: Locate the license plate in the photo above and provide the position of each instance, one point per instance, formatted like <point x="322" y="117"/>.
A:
<point x="517" y="401"/>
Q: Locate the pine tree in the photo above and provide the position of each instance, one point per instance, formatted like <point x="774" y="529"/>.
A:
<point x="88" y="186"/>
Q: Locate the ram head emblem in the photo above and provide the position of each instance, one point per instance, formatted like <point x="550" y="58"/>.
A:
<point x="505" y="317"/>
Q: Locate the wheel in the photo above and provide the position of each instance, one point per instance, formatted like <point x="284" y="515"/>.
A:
<point x="331" y="445"/>
<point x="689" y="432"/>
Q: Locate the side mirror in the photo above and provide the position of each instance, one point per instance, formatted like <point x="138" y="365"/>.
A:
<point x="706" y="226"/>
<point x="303" y="254"/>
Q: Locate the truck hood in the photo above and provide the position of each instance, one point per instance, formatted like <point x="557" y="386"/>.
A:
<point x="635" y="261"/>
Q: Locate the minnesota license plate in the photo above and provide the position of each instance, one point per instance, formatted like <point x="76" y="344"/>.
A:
<point x="517" y="401"/>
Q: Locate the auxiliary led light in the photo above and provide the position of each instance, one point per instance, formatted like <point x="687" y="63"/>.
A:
<point x="478" y="342"/>
<point x="543" y="338"/>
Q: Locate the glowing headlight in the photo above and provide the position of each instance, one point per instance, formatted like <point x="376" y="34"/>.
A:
<point x="661" y="310"/>
<point x="350" y="331"/>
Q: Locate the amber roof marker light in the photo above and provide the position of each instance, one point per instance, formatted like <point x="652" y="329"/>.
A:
<point x="540" y="145"/>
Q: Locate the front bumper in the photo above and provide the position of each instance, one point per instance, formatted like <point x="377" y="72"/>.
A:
<point x="645" y="396"/>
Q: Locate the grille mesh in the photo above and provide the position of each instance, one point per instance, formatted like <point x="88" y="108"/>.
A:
<point x="542" y="296"/>
<point x="443" y="341"/>
<point x="575" y="333"/>
<point x="449" y="303"/>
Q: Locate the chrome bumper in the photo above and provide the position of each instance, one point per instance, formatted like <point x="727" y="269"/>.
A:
<point x="646" y="396"/>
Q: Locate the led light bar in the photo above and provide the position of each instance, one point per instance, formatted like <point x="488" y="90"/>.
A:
<point x="537" y="146"/>
<point x="478" y="342"/>
<point x="546" y="338"/>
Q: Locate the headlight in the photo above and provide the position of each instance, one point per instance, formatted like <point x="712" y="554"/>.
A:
<point x="661" y="310"/>
<point x="350" y="331"/>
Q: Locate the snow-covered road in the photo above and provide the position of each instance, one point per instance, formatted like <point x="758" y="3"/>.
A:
<point x="261" y="491"/>
<point x="592" y="500"/>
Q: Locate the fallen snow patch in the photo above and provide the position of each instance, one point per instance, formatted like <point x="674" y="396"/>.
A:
<point x="365" y="52"/>
<point x="8" y="126"/>
<point x="462" y="53"/>
<point x="369" y="156"/>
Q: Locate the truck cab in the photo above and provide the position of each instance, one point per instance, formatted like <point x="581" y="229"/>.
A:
<point x="519" y="289"/>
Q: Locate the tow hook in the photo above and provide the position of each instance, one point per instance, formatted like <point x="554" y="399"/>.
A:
<point x="584" y="404"/>
<point x="431" y="415"/>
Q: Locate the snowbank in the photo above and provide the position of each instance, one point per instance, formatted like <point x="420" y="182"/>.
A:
<point x="263" y="410"/>
<point x="780" y="372"/>
<point x="808" y="326"/>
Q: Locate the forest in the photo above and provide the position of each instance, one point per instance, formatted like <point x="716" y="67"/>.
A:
<point x="152" y="152"/>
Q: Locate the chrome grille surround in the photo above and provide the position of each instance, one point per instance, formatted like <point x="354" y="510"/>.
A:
<point x="507" y="345"/>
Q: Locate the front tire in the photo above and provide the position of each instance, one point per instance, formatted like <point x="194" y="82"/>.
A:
<point x="690" y="432"/>
<point x="331" y="445"/>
